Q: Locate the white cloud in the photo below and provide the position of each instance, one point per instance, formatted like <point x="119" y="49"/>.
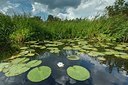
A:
<point x="6" y="5"/>
<point x="88" y="9"/>
<point x="38" y="7"/>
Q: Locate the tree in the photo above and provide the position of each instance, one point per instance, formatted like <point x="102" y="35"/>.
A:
<point x="52" y="18"/>
<point x="119" y="7"/>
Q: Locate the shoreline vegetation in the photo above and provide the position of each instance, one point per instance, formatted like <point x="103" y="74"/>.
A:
<point x="17" y="29"/>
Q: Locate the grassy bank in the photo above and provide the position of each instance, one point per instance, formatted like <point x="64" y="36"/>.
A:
<point x="21" y="28"/>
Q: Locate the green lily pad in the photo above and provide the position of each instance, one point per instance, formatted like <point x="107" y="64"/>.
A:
<point x="67" y="48"/>
<point x="124" y="56"/>
<point x="51" y="45"/>
<point x="3" y="65"/>
<point x="19" y="60"/>
<point x="30" y="54"/>
<point x="73" y="57"/>
<point x="23" y="53"/>
<point x="43" y="47"/>
<point x="55" y="51"/>
<point x="39" y="73"/>
<point x="93" y="53"/>
<point x="35" y="46"/>
<point x="119" y="48"/>
<point x="101" y="58"/>
<point x="78" y="73"/>
<point x="16" y="69"/>
<point x="24" y="48"/>
<point x="76" y="48"/>
<point x="34" y="63"/>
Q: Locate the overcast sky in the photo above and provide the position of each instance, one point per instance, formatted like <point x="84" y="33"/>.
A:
<point x="62" y="8"/>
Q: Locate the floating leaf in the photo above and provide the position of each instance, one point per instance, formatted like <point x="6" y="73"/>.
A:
<point x="16" y="69"/>
<point x="30" y="54"/>
<point x="23" y="53"/>
<point x="124" y="56"/>
<point x="76" y="48"/>
<point x="101" y="58"/>
<point x="24" y="48"/>
<point x="43" y="47"/>
<point x="73" y="57"/>
<point x="3" y="65"/>
<point x="19" y="60"/>
<point x="51" y="45"/>
<point x="39" y="73"/>
<point x="67" y="48"/>
<point x="119" y="48"/>
<point x="93" y="53"/>
<point x="78" y="73"/>
<point x="34" y="63"/>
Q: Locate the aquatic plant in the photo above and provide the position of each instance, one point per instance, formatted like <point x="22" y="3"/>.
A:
<point x="39" y="74"/>
<point x="78" y="73"/>
<point x="73" y="57"/>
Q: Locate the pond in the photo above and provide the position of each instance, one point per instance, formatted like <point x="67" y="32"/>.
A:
<point x="106" y="63"/>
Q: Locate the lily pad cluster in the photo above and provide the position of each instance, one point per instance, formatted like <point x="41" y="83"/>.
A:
<point x="18" y="66"/>
<point x="37" y="74"/>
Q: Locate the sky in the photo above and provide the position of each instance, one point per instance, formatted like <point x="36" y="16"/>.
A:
<point x="64" y="9"/>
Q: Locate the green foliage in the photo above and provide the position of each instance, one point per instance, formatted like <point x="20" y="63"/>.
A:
<point x="17" y="29"/>
<point x="119" y="7"/>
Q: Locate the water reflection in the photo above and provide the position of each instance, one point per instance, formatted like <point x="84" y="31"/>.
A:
<point x="109" y="72"/>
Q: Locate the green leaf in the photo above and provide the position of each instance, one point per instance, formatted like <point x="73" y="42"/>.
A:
<point x="3" y="65"/>
<point x="73" y="57"/>
<point x="34" y="63"/>
<point x="19" y="60"/>
<point x="16" y="69"/>
<point x="78" y="73"/>
<point x="39" y="73"/>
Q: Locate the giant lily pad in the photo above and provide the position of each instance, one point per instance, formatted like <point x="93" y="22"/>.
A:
<point x="73" y="57"/>
<point x="16" y="69"/>
<point x="34" y="63"/>
<point x="39" y="73"/>
<point x="78" y="73"/>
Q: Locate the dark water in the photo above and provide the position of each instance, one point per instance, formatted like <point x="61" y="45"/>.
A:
<point x="113" y="71"/>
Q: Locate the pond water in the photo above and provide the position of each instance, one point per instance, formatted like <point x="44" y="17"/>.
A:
<point x="104" y="68"/>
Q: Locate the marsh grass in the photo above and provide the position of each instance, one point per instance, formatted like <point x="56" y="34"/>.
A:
<point x="20" y="28"/>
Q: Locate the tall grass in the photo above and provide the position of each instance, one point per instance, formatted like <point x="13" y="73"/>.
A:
<point x="20" y="28"/>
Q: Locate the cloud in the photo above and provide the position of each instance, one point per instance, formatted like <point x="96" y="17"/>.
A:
<point x="69" y="9"/>
<point x="89" y="9"/>
<point x="52" y="4"/>
<point x="6" y="6"/>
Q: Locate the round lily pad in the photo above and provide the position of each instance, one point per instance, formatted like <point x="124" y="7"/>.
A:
<point x="39" y="73"/>
<point x="78" y="73"/>
<point x="73" y="57"/>
<point x="34" y="63"/>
